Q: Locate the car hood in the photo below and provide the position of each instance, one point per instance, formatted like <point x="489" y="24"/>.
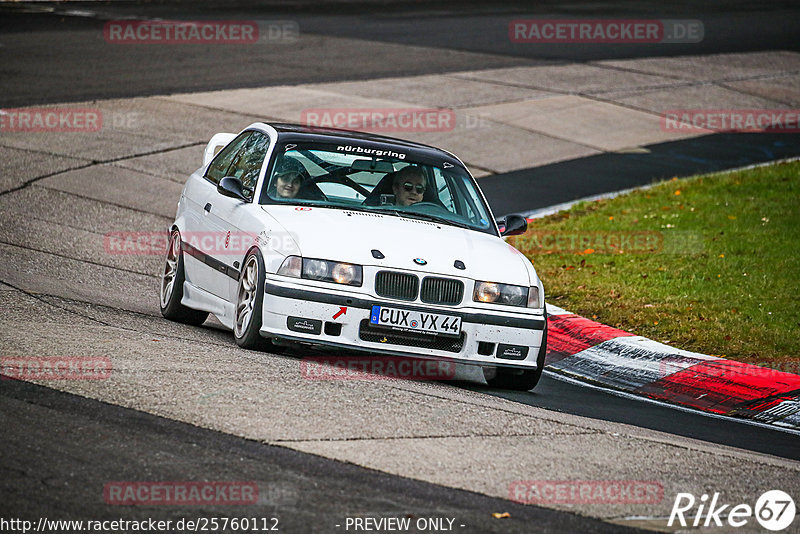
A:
<point x="350" y="236"/>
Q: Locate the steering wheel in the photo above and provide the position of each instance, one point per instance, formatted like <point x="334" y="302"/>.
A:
<point x="426" y="205"/>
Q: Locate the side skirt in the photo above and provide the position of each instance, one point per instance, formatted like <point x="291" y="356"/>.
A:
<point x="199" y="299"/>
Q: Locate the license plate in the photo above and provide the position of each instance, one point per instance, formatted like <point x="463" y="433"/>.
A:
<point x="431" y="323"/>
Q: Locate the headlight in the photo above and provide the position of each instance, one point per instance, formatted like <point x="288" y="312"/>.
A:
<point x="316" y="269"/>
<point x="494" y="293"/>
<point x="486" y="292"/>
<point x="345" y="273"/>
<point x="332" y="271"/>
<point x="323" y="270"/>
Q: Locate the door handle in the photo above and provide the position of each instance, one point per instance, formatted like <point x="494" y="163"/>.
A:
<point x="208" y="207"/>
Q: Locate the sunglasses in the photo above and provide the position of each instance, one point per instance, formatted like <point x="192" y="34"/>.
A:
<point x="408" y="186"/>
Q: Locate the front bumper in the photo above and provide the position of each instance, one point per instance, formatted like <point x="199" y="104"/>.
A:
<point x="340" y="318"/>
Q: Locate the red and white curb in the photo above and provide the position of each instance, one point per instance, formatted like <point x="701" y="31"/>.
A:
<point x="593" y="352"/>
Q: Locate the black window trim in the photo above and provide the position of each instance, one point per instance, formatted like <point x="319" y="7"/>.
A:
<point x="249" y="132"/>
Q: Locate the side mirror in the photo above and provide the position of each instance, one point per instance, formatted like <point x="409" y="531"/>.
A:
<point x="514" y="225"/>
<point x="216" y="144"/>
<point x="231" y="186"/>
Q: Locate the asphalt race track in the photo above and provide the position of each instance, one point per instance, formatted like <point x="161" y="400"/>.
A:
<point x="65" y="62"/>
<point x="305" y="492"/>
<point x="186" y="404"/>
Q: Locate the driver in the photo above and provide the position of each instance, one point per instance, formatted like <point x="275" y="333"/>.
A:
<point x="408" y="186"/>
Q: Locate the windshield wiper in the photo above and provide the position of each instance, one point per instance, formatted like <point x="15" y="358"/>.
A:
<point x="295" y="202"/>
<point x="423" y="216"/>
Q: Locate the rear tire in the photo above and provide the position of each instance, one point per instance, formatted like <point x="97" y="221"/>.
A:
<point x="172" y="286"/>
<point x="521" y="379"/>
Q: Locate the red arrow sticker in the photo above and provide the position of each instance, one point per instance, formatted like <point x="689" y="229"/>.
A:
<point x="342" y="311"/>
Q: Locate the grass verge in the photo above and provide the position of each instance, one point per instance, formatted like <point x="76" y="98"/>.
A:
<point x="708" y="264"/>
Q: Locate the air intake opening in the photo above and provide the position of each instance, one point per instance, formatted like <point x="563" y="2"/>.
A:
<point x="485" y="348"/>
<point x="333" y="329"/>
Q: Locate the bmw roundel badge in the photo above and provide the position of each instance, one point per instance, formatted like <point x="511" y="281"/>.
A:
<point x="420" y="261"/>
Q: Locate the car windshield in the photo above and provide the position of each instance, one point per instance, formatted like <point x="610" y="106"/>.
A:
<point x="376" y="180"/>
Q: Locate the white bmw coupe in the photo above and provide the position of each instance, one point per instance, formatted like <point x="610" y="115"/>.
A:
<point x="345" y="240"/>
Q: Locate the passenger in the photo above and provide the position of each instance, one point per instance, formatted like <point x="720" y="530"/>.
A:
<point x="288" y="184"/>
<point x="288" y="178"/>
<point x="408" y="186"/>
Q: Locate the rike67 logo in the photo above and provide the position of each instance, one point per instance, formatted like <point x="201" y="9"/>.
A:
<point x="774" y="510"/>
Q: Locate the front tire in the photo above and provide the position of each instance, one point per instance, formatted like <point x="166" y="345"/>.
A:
<point x="172" y="286"/>
<point x="249" y="301"/>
